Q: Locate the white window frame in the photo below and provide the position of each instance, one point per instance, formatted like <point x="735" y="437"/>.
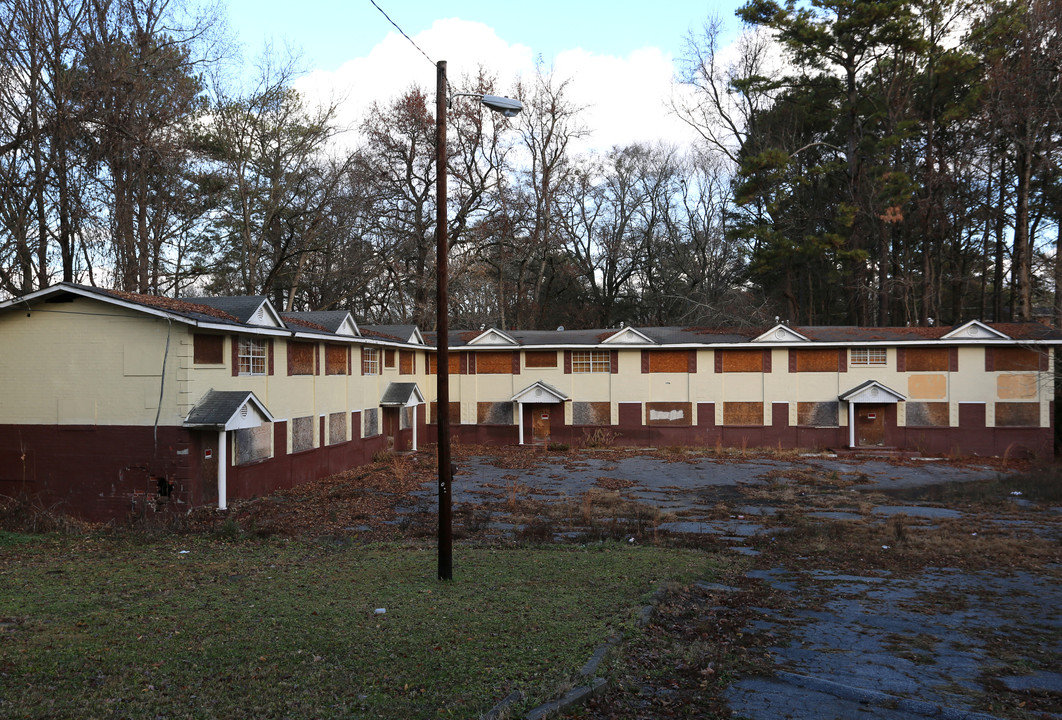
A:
<point x="370" y="361"/>
<point x="868" y="357"/>
<point x="591" y="361"/>
<point x="252" y="356"/>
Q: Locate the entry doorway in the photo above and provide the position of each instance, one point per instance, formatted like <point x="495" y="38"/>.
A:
<point x="540" y="424"/>
<point x="870" y="425"/>
<point x="391" y="425"/>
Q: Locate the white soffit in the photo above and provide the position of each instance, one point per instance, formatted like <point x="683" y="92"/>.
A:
<point x="628" y="336"/>
<point x="974" y="330"/>
<point x="780" y="334"/>
<point x="872" y="392"/>
<point x="539" y="392"/>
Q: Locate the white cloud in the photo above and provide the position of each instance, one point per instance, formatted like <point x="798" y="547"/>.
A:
<point x="625" y="98"/>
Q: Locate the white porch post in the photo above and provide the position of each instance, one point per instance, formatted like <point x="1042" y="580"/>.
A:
<point x="520" y="415"/>
<point x="415" y="428"/>
<point x="223" y="463"/>
<point x="851" y="424"/>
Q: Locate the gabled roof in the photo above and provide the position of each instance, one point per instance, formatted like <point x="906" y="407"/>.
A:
<point x="628" y="336"/>
<point x="337" y="322"/>
<point x="974" y="330"/>
<point x="780" y="333"/>
<point x="492" y="336"/>
<point x="540" y="392"/>
<point x="248" y="309"/>
<point x="402" y="333"/>
<point x="228" y="409"/>
<point x="872" y="391"/>
<point x="402" y="395"/>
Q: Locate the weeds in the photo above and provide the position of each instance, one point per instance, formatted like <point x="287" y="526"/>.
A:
<point x="599" y="438"/>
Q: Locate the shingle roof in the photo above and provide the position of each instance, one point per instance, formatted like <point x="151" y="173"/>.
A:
<point x="242" y="307"/>
<point x="217" y="407"/>
<point x="402" y="333"/>
<point x="398" y="394"/>
<point x="328" y="320"/>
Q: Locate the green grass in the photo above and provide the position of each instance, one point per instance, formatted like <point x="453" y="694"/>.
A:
<point x="104" y="627"/>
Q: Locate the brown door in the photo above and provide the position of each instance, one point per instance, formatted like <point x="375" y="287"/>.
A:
<point x="208" y="470"/>
<point x="870" y="425"/>
<point x="540" y="424"/>
<point x="390" y="423"/>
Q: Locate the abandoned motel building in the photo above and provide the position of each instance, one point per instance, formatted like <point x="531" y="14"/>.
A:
<point x="114" y="403"/>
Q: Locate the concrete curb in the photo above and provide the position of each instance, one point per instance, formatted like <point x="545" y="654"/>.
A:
<point x="874" y="697"/>
<point x="569" y="699"/>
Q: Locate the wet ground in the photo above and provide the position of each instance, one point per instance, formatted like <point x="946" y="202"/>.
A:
<point x="867" y="638"/>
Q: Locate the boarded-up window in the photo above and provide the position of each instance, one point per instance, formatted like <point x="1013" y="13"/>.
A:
<point x="928" y="414"/>
<point x="741" y="361"/>
<point x="743" y="413"/>
<point x="389" y="358"/>
<point x="337" y="428"/>
<point x="540" y="358"/>
<point x="494" y="413"/>
<point x="1017" y="414"/>
<point x="591" y="413"/>
<point x="208" y="349"/>
<point x="453" y="363"/>
<point x="455" y="413"/>
<point x="494" y="363"/>
<point x="254" y="444"/>
<point x="817" y="414"/>
<point x="669" y="413"/>
<point x="814" y="360"/>
<point x="301" y="434"/>
<point x="926" y="359"/>
<point x="407" y="362"/>
<point x="371" y="421"/>
<point x="300" y="358"/>
<point x="1012" y="358"/>
<point x="335" y="360"/>
<point x="668" y="361"/>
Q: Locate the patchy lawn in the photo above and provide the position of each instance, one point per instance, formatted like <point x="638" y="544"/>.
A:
<point x="202" y="627"/>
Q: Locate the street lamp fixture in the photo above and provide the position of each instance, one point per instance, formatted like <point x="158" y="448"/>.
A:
<point x="509" y="108"/>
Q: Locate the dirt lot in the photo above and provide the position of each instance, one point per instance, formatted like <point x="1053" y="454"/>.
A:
<point x="889" y="588"/>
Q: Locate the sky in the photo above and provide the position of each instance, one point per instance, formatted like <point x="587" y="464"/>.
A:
<point x="621" y="57"/>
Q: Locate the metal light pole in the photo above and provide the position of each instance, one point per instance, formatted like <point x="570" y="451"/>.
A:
<point x="507" y="107"/>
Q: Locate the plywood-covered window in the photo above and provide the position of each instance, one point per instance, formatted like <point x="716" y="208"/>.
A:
<point x="742" y="361"/>
<point x="407" y="362"/>
<point x="301" y="358"/>
<point x="302" y="433"/>
<point x="668" y="413"/>
<point x="453" y="363"/>
<point x="494" y="413"/>
<point x="667" y="361"/>
<point x="817" y="414"/>
<point x="591" y="361"/>
<point x="337" y="427"/>
<point x="591" y="413"/>
<point x="1016" y="359"/>
<point x="252" y="357"/>
<point x="540" y="358"/>
<point x="336" y="359"/>
<point x="868" y="357"/>
<point x="926" y="359"/>
<point x="370" y="361"/>
<point x="1017" y="414"/>
<point x="817" y="360"/>
<point x="208" y="349"/>
<point x="389" y="358"/>
<point x="455" y="413"/>
<point x="743" y="413"/>
<point x="498" y="362"/>
<point x="254" y="444"/>
<point x="928" y="414"/>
